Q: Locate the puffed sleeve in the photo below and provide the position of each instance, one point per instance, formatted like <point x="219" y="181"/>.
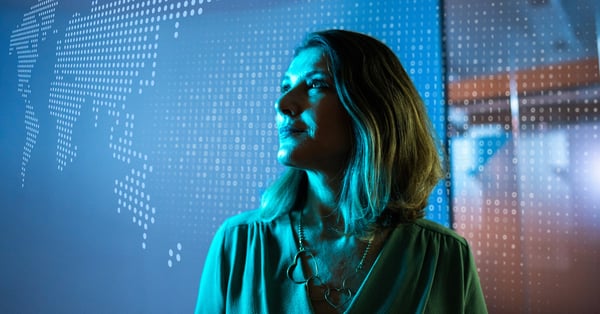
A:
<point x="213" y="283"/>
<point x="474" y="299"/>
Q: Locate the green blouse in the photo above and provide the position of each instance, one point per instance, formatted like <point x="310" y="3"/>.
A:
<point x="422" y="268"/>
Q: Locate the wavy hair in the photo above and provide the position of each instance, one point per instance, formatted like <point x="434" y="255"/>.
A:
<point x="395" y="161"/>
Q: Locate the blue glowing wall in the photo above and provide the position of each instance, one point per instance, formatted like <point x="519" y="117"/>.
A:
<point x="129" y="130"/>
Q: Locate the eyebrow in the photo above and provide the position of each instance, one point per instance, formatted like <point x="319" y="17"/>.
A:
<point x="286" y="76"/>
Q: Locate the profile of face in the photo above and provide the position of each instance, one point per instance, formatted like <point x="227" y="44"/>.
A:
<point x="315" y="131"/>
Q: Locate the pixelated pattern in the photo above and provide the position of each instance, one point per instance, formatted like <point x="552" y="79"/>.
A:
<point x="524" y="111"/>
<point x="25" y="41"/>
<point x="207" y="75"/>
<point x="215" y="127"/>
<point x="105" y="57"/>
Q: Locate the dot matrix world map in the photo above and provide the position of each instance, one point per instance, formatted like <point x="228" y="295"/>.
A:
<point x="133" y="128"/>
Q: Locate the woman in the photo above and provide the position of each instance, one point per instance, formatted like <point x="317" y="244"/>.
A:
<point x="342" y="230"/>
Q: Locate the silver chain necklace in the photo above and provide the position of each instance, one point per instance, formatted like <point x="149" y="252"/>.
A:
<point x="345" y="294"/>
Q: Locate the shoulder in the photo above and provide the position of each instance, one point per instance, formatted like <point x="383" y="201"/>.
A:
<point x="240" y="222"/>
<point x="242" y="219"/>
<point x="235" y="233"/>
<point x="432" y="242"/>
<point x="247" y="234"/>
<point x="434" y="227"/>
<point x="248" y="223"/>
<point x="431" y="229"/>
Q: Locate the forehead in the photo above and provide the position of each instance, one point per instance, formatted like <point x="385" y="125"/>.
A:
<point x="307" y="60"/>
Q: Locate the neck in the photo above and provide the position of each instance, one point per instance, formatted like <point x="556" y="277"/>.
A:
<point x="321" y="204"/>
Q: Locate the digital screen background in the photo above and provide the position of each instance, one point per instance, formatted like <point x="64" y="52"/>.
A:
<point x="132" y="129"/>
<point x="523" y="126"/>
<point x="129" y="130"/>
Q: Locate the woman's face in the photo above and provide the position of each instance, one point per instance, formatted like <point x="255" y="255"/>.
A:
<point x="314" y="128"/>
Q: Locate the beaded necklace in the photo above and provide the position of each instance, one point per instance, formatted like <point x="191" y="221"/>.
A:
<point x="345" y="293"/>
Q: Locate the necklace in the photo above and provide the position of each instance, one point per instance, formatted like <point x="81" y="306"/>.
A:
<point x="343" y="294"/>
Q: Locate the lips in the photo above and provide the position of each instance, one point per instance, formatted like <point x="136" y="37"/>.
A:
<point x="287" y="131"/>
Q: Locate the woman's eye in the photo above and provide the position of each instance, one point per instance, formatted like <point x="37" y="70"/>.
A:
<point x="312" y="84"/>
<point x="318" y="84"/>
<point x="284" y="88"/>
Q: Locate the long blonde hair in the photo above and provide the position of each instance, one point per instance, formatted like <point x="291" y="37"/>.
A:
<point x="395" y="162"/>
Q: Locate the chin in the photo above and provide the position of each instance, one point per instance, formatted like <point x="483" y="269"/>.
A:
<point x="283" y="160"/>
<point x="286" y="158"/>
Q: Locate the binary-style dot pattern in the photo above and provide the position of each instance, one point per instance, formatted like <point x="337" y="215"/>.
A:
<point x="523" y="122"/>
<point x="174" y="255"/>
<point x="416" y="40"/>
<point x="215" y="129"/>
<point x="523" y="112"/>
<point x="24" y="42"/>
<point x="213" y="119"/>
<point x="215" y="126"/>
<point x="105" y="58"/>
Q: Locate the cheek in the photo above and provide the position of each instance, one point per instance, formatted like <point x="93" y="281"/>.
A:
<point x="345" y="123"/>
<point x="341" y="131"/>
<point x="349" y="135"/>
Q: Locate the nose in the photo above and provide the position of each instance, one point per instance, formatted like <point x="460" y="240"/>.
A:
<point x="288" y="104"/>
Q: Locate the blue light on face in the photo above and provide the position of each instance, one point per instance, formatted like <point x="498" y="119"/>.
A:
<point x="133" y="128"/>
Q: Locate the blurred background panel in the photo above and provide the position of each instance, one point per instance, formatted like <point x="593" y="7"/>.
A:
<point x="523" y="106"/>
